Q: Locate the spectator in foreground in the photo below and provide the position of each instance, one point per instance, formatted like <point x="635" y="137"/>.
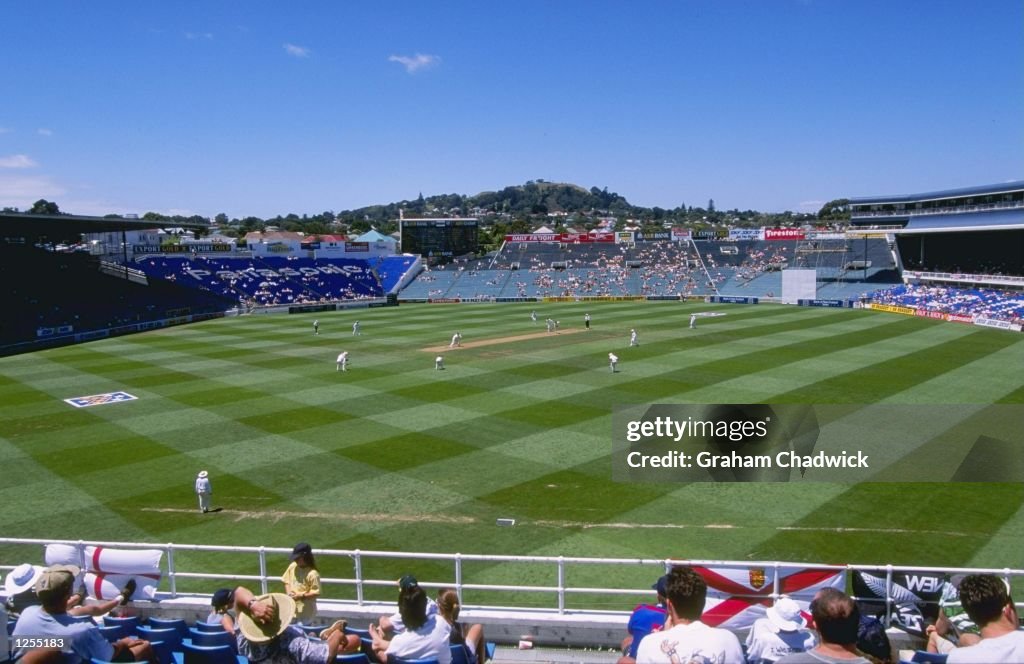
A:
<point x="469" y="636"/>
<point x="783" y="632"/>
<point x="423" y="635"/>
<point x="836" y="617"/>
<point x="222" y="603"/>
<point x="302" y="582"/>
<point x="987" y="601"/>
<point x="685" y="638"/>
<point x="265" y="635"/>
<point x="646" y="618"/>
<point x="19" y="586"/>
<point x="83" y="640"/>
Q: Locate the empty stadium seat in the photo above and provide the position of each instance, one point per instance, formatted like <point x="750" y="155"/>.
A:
<point x="173" y="623"/>
<point x="208" y="627"/>
<point x="169" y="635"/>
<point x="400" y="660"/>
<point x="221" y="638"/>
<point x="128" y="622"/>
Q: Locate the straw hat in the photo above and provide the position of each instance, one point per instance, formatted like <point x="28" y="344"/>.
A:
<point x="284" y="613"/>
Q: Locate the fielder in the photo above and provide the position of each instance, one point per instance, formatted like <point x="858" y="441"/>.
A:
<point x="342" y="361"/>
<point x="439" y="363"/>
<point x="533" y="317"/>
<point x="316" y="327"/>
<point x="613" y="362"/>
<point x="204" y="490"/>
<point x="693" y="321"/>
<point x="456" y="340"/>
<point x="550" y="324"/>
<point x="586" y="321"/>
<point x="632" y="338"/>
<point x="355" y="329"/>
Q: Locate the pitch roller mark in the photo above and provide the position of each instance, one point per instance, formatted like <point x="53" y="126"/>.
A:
<point x="382" y="517"/>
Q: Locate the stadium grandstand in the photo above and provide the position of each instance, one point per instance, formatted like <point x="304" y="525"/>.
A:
<point x="96" y="277"/>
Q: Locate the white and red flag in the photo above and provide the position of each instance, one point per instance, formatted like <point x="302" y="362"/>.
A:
<point x="739" y="594"/>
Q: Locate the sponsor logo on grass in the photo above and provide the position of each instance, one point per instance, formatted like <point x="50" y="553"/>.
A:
<point x="100" y="399"/>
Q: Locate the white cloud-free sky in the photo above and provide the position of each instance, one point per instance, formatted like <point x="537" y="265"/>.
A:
<point x="262" y="108"/>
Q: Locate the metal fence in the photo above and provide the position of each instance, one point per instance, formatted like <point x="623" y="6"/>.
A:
<point x="561" y="566"/>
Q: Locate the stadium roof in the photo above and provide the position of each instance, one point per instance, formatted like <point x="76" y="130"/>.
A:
<point x="980" y="190"/>
<point x="21" y="224"/>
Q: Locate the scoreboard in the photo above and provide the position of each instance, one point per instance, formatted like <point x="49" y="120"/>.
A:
<point x="439" y="238"/>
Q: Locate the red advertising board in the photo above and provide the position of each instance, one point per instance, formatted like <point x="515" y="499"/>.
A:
<point x="571" y="238"/>
<point x="783" y="234"/>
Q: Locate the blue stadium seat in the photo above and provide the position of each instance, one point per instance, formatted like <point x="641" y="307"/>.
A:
<point x="164" y="651"/>
<point x="173" y="623"/>
<point x="925" y="657"/>
<point x="400" y="660"/>
<point x="168" y="635"/>
<point x="221" y="638"/>
<point x="113" y="633"/>
<point x="128" y="622"/>
<point x="191" y="654"/>
<point x="460" y="655"/>
<point x="208" y="627"/>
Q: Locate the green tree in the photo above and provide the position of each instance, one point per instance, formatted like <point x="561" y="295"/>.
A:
<point x="837" y="209"/>
<point x="43" y="206"/>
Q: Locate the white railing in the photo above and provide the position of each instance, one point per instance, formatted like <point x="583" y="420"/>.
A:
<point x="561" y="564"/>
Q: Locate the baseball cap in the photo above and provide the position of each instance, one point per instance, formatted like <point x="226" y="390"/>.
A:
<point x="407" y="581"/>
<point x="301" y="549"/>
<point x="661" y="585"/>
<point x="56" y="580"/>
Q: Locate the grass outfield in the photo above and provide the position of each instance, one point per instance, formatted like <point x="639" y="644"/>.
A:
<point x="393" y="455"/>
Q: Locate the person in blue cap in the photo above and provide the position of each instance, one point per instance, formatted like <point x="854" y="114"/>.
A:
<point x="646" y="618"/>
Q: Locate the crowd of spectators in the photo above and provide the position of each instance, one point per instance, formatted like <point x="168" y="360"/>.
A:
<point x="269" y="281"/>
<point x="986" y="302"/>
<point x="268" y="628"/>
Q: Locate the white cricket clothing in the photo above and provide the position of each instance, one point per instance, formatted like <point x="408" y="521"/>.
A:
<point x="204" y="490"/>
<point x="613" y="361"/>
<point x="693" y="321"/>
<point x="767" y="643"/>
<point x="428" y="642"/>
<point x="693" y="642"/>
<point x="355" y="329"/>
<point x="438" y="362"/>
<point x="343" y="361"/>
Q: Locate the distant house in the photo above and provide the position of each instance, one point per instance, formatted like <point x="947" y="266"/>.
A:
<point x="274" y="243"/>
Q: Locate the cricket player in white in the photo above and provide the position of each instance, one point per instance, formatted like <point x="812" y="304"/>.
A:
<point x="355" y="329"/>
<point x="204" y="490"/>
<point x="613" y="361"/>
<point x="586" y="321"/>
<point x="533" y="316"/>
<point x="316" y="327"/>
<point x="438" y="363"/>
<point x="550" y="324"/>
<point x="456" y="340"/>
<point x="632" y="338"/>
<point x="342" y="361"/>
<point x="693" y="321"/>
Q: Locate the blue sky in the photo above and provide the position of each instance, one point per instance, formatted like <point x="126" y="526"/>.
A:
<point x="260" y="108"/>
